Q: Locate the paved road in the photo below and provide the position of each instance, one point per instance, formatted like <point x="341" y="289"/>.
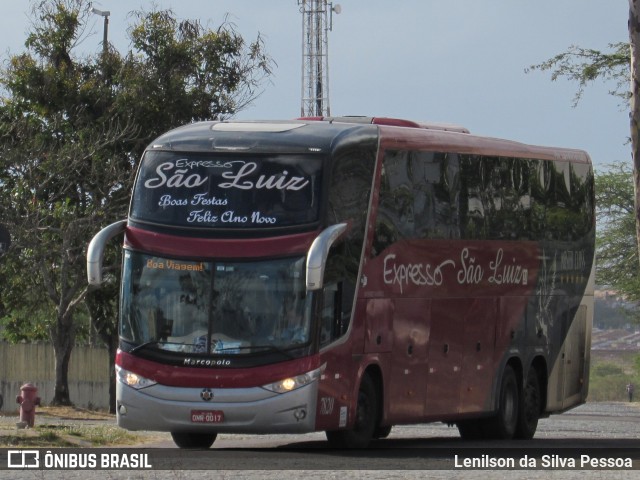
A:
<point x="592" y="424"/>
<point x="429" y="448"/>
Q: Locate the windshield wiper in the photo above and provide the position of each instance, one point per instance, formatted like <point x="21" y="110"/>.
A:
<point x="144" y="345"/>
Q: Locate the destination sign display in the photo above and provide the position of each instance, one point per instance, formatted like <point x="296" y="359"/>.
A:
<point x="244" y="192"/>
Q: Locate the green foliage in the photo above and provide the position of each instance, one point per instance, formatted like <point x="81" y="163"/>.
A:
<point x="22" y="320"/>
<point x="618" y="316"/>
<point x="609" y="388"/>
<point x="72" y="128"/>
<point x="585" y="65"/>
<point x="183" y="72"/>
<point x="608" y="379"/>
<point x="607" y="369"/>
<point x="616" y="243"/>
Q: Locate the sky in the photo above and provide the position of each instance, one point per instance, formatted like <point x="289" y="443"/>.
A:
<point x="453" y="61"/>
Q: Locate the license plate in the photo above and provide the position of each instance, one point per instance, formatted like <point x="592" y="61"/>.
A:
<point x="207" y="416"/>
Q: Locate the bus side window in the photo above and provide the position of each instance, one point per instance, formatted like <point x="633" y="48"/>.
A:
<point x="328" y="316"/>
<point x="339" y="291"/>
<point x="334" y="319"/>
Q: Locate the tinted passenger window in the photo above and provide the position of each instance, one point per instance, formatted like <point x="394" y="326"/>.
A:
<point x="450" y="196"/>
<point x="349" y="197"/>
<point x="419" y="197"/>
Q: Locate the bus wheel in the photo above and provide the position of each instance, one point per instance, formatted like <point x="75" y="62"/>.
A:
<point x="471" y="429"/>
<point x="382" y="432"/>
<point x="530" y="403"/>
<point x="365" y="423"/>
<point x="200" y="441"/>
<point x="503" y="425"/>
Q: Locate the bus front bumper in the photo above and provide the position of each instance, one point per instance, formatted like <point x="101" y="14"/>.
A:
<point x="229" y="410"/>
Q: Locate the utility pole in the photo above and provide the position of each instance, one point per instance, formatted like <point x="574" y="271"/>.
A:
<point x="317" y="21"/>
<point x="105" y="30"/>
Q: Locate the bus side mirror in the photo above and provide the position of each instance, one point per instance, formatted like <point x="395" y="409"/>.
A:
<point x="317" y="256"/>
<point x="95" y="252"/>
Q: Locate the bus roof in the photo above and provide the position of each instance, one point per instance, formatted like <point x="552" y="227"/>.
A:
<point x="259" y="136"/>
<point x="319" y="134"/>
<point x="394" y="122"/>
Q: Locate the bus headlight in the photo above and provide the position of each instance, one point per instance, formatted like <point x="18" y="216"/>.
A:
<point x="293" y="383"/>
<point x="133" y="380"/>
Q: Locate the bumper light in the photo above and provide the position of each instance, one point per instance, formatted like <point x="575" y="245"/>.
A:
<point x="293" y="383"/>
<point x="133" y="380"/>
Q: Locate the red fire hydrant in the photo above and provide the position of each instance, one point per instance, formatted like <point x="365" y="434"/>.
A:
<point x="28" y="401"/>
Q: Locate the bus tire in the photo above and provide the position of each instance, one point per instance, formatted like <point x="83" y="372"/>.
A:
<point x="199" y="441"/>
<point x="503" y="425"/>
<point x="530" y="404"/>
<point x="471" y="429"/>
<point x="366" y="420"/>
<point x="382" y="432"/>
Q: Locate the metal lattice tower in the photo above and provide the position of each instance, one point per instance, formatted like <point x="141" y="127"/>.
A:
<point x="317" y="19"/>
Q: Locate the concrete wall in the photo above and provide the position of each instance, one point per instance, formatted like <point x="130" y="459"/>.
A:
<point x="22" y="363"/>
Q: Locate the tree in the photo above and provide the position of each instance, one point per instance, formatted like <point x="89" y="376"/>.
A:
<point x="616" y="243"/>
<point x="102" y="306"/>
<point x="72" y="128"/>
<point x="60" y="177"/>
<point x="586" y="65"/>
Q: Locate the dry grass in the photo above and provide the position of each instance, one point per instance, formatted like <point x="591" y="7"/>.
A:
<point x="69" y="427"/>
<point x="74" y="413"/>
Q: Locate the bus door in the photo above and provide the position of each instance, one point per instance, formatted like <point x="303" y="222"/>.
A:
<point x="566" y="380"/>
<point x="576" y="355"/>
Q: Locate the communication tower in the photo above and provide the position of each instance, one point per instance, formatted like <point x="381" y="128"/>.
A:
<point x="317" y="21"/>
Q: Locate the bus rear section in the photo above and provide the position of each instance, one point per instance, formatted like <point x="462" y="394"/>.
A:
<point x="283" y="277"/>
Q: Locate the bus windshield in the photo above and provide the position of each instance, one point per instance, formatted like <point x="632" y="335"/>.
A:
<point x="197" y="190"/>
<point x="213" y="307"/>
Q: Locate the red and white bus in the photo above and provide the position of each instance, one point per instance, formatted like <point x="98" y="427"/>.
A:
<point x="350" y="274"/>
